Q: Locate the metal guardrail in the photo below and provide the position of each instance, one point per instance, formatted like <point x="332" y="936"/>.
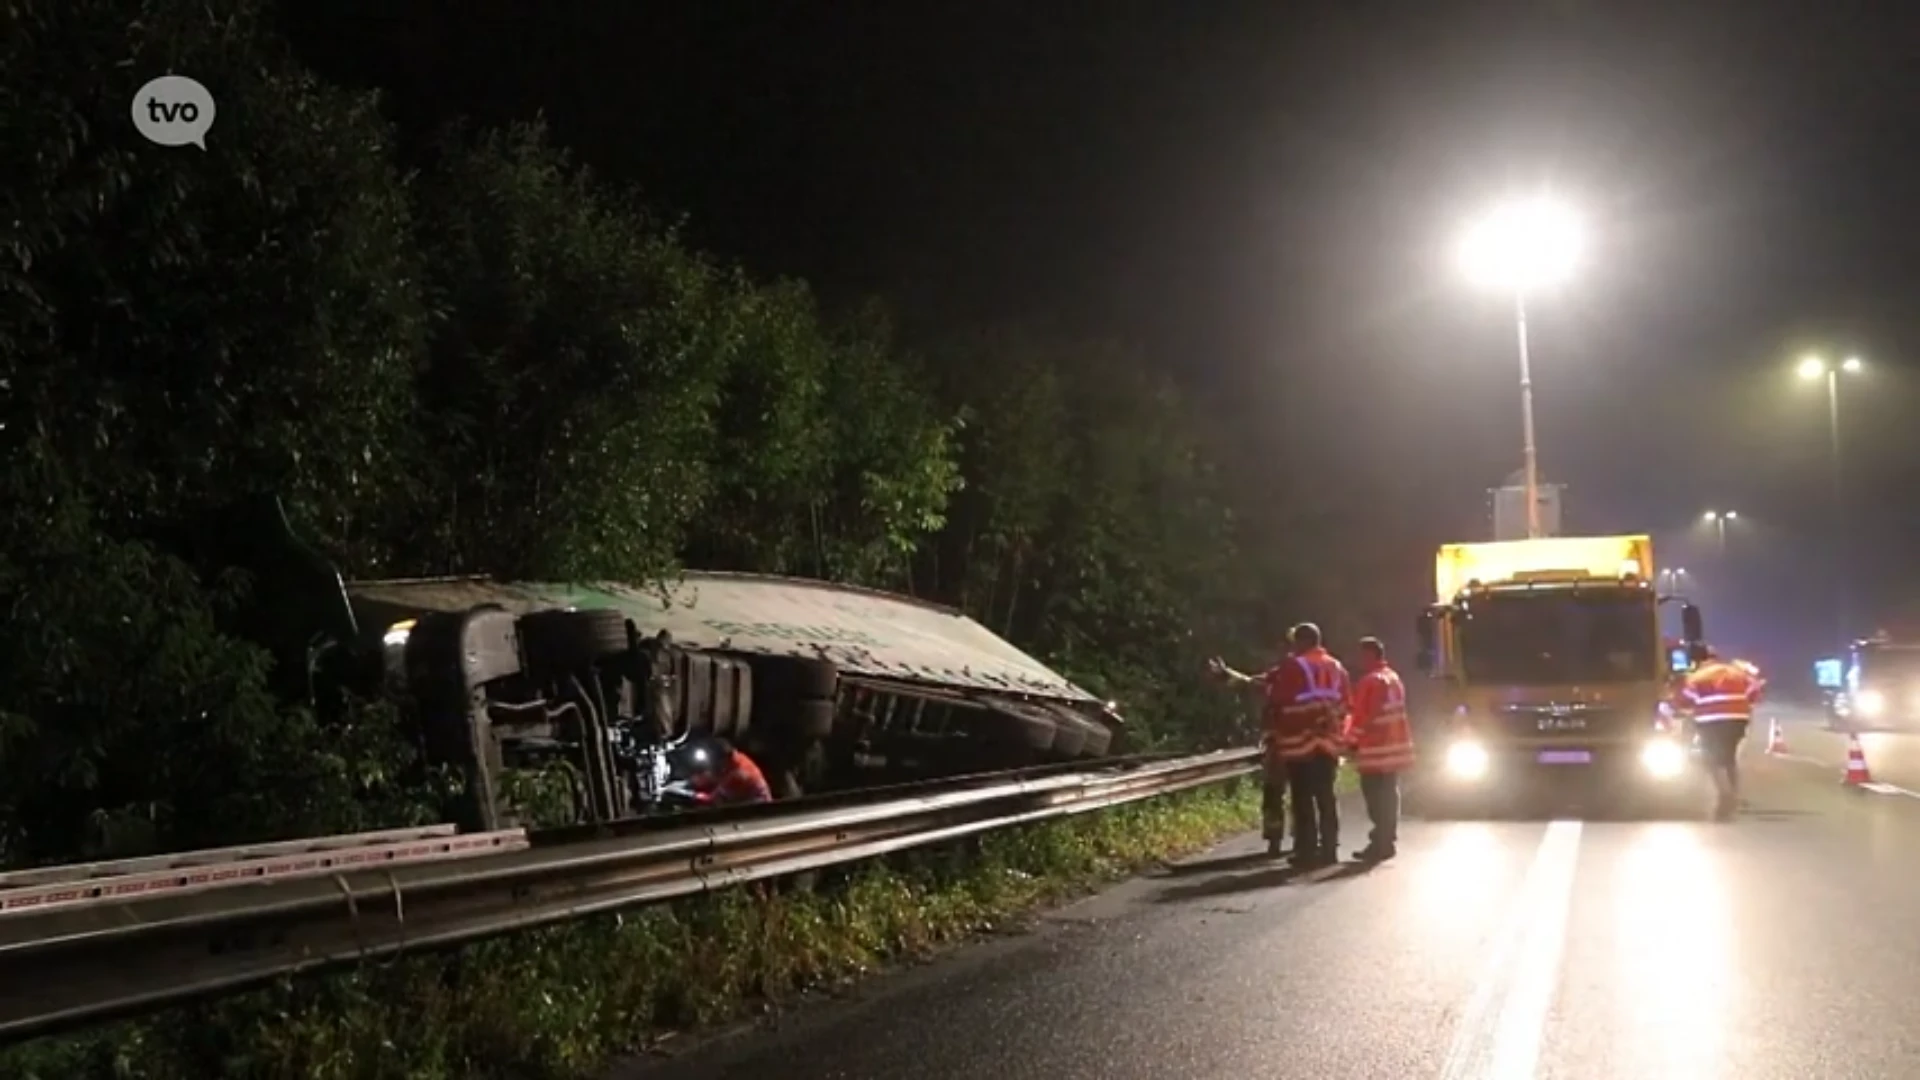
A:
<point x="108" y="957"/>
<point x="40" y="890"/>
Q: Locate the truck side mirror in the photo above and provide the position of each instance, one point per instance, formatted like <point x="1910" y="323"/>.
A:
<point x="1424" y="659"/>
<point x="1691" y="626"/>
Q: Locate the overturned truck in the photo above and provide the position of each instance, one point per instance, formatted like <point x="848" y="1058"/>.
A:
<point x="830" y="687"/>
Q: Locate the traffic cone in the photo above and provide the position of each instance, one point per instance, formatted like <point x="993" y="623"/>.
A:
<point x="1856" y="764"/>
<point x="1776" y="738"/>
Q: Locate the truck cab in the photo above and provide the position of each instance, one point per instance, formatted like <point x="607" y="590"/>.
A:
<point x="1879" y="685"/>
<point x="1550" y="672"/>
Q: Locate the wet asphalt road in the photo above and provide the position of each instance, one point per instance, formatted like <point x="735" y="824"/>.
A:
<point x="1784" y="946"/>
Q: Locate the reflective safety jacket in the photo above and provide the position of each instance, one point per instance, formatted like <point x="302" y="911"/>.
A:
<point x="1719" y="692"/>
<point x="1759" y="680"/>
<point x="1380" y="735"/>
<point x="1307" y="699"/>
<point x="737" y="780"/>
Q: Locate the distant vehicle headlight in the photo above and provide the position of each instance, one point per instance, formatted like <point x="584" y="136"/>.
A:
<point x="1466" y="760"/>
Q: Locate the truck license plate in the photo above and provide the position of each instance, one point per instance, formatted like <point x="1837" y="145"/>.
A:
<point x="1566" y="757"/>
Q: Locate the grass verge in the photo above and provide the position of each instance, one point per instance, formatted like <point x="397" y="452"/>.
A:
<point x="566" y="1001"/>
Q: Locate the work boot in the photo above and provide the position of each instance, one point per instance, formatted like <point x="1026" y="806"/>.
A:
<point x="1374" y="853"/>
<point x="1276" y="847"/>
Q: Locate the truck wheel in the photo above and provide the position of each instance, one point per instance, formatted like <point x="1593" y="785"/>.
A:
<point x="570" y="640"/>
<point x="1099" y="740"/>
<point x="1019" y="737"/>
<point x="794" y="677"/>
<point x="1069" y="737"/>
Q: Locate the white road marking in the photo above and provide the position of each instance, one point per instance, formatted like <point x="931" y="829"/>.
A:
<point x="1875" y="786"/>
<point x="1890" y="789"/>
<point x="1500" y="1030"/>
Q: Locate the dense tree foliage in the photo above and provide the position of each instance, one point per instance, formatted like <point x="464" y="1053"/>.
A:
<point x="496" y="364"/>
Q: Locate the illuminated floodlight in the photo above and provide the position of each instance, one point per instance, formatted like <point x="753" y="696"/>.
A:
<point x="1528" y="244"/>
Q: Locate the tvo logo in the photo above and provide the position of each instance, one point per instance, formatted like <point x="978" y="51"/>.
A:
<point x="174" y="110"/>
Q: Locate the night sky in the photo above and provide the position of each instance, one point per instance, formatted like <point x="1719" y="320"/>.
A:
<point x="1263" y="195"/>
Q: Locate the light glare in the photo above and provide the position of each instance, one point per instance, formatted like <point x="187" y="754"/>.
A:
<point x="1467" y="760"/>
<point x="1663" y="759"/>
<point x="1812" y="367"/>
<point x="1852" y="365"/>
<point x="1528" y="244"/>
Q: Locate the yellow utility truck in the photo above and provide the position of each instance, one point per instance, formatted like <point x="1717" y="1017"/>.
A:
<point x="1549" y="676"/>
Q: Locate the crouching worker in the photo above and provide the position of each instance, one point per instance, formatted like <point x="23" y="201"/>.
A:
<point x="721" y="775"/>
<point x="1381" y="741"/>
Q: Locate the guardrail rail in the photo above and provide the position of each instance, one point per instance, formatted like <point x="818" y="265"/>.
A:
<point x="111" y="939"/>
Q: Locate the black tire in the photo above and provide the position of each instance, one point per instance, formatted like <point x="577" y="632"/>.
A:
<point x="1099" y="741"/>
<point x="1014" y="732"/>
<point x="732" y="695"/>
<point x="1069" y="737"/>
<point x="1095" y="737"/>
<point x="802" y="678"/>
<point x="571" y="640"/>
<point x="694" y="673"/>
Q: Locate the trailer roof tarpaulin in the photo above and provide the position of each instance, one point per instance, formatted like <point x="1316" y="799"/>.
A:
<point x="864" y="631"/>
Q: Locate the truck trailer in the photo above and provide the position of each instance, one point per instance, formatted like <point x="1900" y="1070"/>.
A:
<point x="1549" y="675"/>
<point x="829" y="687"/>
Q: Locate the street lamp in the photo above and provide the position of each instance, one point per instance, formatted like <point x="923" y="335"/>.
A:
<point x="1810" y="369"/>
<point x="1524" y="246"/>
<point x="1718" y="519"/>
<point x="1673" y="579"/>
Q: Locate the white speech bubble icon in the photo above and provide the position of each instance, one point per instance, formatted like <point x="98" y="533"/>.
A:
<point x="173" y="110"/>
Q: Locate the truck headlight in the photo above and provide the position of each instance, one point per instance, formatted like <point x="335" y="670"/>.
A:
<point x="1466" y="760"/>
<point x="1663" y="758"/>
<point x="1870" y="703"/>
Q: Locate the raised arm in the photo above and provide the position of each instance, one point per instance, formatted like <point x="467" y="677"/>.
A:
<point x="1218" y="669"/>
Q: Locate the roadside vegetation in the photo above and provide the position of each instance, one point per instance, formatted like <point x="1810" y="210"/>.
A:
<point x="568" y="1002"/>
<point x="498" y="363"/>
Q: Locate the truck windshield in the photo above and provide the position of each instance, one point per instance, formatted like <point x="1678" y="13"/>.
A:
<point x="1560" y="636"/>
